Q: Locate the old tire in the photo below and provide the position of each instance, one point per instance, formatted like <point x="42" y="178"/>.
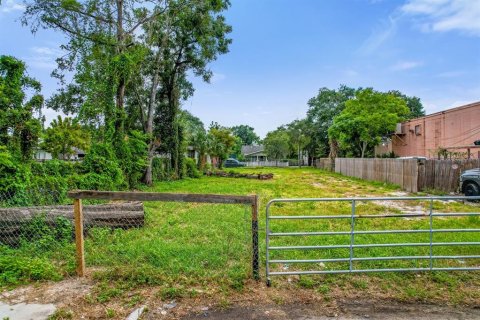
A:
<point x="471" y="189"/>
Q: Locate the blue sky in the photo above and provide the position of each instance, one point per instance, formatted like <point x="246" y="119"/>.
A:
<point x="284" y="51"/>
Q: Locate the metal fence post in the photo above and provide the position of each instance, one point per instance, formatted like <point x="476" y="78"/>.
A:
<point x="255" y="253"/>
<point x="431" y="234"/>
<point x="78" y="216"/>
<point x="352" y="235"/>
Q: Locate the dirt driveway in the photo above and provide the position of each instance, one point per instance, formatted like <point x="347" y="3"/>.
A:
<point x="352" y="310"/>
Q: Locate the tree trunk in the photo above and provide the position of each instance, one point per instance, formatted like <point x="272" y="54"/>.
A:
<point x="299" y="164"/>
<point x="148" y="125"/>
<point x="364" y="147"/>
<point x="148" y="175"/>
<point x="120" y="94"/>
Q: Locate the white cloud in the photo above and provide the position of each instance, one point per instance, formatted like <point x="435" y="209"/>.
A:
<point x="451" y="74"/>
<point x="380" y="34"/>
<point x="47" y="51"/>
<point x="43" y="57"/>
<point x="217" y="77"/>
<point x="406" y="65"/>
<point x="11" y="5"/>
<point x="350" y="73"/>
<point x="446" y="15"/>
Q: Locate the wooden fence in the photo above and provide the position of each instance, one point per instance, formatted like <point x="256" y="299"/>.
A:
<point x="400" y="172"/>
<point x="410" y="174"/>
<point x="324" y="164"/>
<point x="443" y="175"/>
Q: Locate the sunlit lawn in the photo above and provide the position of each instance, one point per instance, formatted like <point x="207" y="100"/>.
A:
<point x="187" y="248"/>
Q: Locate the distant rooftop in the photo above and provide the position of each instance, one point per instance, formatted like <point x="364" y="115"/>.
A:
<point x="247" y="150"/>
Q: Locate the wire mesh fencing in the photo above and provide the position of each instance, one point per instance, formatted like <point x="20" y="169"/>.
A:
<point x="36" y="236"/>
<point x="170" y="243"/>
<point x="129" y="237"/>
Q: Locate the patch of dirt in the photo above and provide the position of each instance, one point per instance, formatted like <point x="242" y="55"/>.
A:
<point x="50" y="292"/>
<point x="402" y="206"/>
<point x="256" y="301"/>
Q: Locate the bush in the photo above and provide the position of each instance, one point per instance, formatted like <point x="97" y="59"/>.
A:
<point x="190" y="168"/>
<point x="15" y="269"/>
<point x="15" y="178"/>
<point x="161" y="169"/>
<point x="101" y="170"/>
<point x="132" y="157"/>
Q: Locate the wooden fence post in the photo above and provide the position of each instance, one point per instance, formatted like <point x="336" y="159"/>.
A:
<point x="255" y="254"/>
<point x="78" y="216"/>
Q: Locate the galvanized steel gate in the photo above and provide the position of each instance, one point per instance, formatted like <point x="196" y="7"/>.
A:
<point x="353" y="216"/>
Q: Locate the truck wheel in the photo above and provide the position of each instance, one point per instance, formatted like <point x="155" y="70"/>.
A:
<point x="471" y="189"/>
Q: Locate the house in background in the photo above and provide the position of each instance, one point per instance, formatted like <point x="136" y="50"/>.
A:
<point x="42" y="155"/>
<point x="453" y="131"/>
<point x="254" y="153"/>
<point x="194" y="154"/>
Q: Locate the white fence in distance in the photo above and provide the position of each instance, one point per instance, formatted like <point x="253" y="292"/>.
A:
<point x="267" y="164"/>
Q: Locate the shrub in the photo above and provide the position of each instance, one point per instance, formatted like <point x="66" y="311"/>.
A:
<point x="161" y="169"/>
<point x="190" y="168"/>
<point x="17" y="269"/>
<point x="101" y="170"/>
<point x="133" y="157"/>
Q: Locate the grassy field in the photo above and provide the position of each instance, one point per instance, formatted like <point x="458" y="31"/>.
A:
<point x="187" y="250"/>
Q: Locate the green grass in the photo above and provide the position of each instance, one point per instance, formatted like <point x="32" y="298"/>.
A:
<point x="186" y="248"/>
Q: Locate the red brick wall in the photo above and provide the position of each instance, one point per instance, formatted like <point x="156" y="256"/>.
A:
<point x="455" y="127"/>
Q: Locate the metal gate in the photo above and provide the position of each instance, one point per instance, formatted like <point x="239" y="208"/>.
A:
<point x="359" y="254"/>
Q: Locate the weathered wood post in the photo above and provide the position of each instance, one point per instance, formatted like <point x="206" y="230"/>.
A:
<point x="78" y="216"/>
<point x="255" y="254"/>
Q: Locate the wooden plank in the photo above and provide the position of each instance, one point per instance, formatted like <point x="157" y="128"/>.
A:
<point x="421" y="170"/>
<point x="79" y="244"/>
<point x="156" y="196"/>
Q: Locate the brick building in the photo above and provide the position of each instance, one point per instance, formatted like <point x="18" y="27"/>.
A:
<point x="454" y="130"/>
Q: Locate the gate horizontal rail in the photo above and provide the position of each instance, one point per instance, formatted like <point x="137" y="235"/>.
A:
<point x="353" y="216"/>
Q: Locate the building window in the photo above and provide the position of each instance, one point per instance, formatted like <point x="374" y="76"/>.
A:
<point x="417" y="130"/>
<point x="191" y="154"/>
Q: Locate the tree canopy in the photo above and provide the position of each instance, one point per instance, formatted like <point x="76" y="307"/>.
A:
<point x="63" y="135"/>
<point x="20" y="98"/>
<point x="276" y="144"/>
<point x="365" y="119"/>
<point x="246" y="134"/>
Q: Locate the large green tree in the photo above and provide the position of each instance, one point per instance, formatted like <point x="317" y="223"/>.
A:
<point x="365" y="119"/>
<point x="20" y="98"/>
<point x="276" y="144"/>
<point x="299" y="137"/>
<point x="220" y="143"/>
<point x="102" y="47"/>
<point x="185" y="38"/>
<point x="413" y="103"/>
<point x="63" y="136"/>
<point x="131" y="61"/>
<point x="322" y="108"/>
<point x="246" y="134"/>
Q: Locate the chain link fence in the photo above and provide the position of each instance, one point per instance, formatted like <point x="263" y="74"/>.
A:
<point x="145" y="241"/>
<point x="36" y="236"/>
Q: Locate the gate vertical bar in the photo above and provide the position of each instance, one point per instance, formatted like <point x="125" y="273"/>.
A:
<point x="267" y="243"/>
<point x="431" y="233"/>
<point x="80" y="256"/>
<point x="255" y="254"/>
<point x="352" y="235"/>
